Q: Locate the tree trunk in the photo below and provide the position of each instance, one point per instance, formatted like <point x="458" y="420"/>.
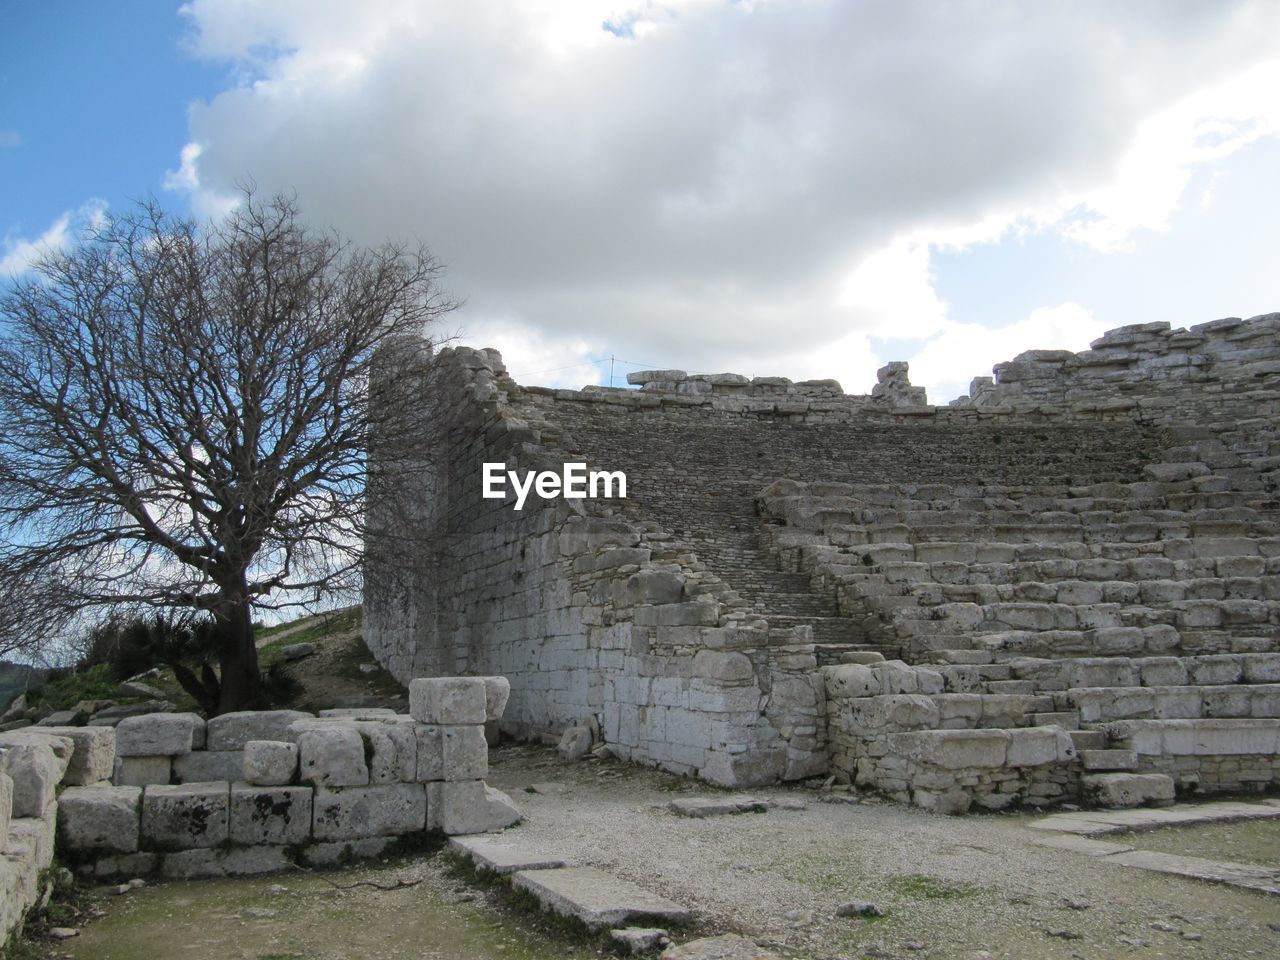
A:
<point x="238" y="660"/>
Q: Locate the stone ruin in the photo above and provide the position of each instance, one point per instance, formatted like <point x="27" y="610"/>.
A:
<point x="244" y="793"/>
<point x="1064" y="586"/>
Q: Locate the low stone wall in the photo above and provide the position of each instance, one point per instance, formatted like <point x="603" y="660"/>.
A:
<point x="888" y="734"/>
<point x="31" y="767"/>
<point x="246" y="792"/>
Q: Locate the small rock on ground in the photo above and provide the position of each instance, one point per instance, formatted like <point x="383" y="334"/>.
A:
<point x="729" y="947"/>
<point x="640" y="939"/>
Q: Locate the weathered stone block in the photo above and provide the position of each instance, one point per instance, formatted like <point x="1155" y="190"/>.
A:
<point x="269" y="763"/>
<point x="1128" y="789"/>
<point x="231" y="731"/>
<point x="35" y="770"/>
<point x="953" y="749"/>
<point x="451" y="753"/>
<point x="156" y="734"/>
<point x="142" y="771"/>
<point x="722" y="667"/>
<point x="269" y="815"/>
<point x="448" y="700"/>
<point x="391" y="751"/>
<point x="497" y="691"/>
<point x="333" y="757"/>
<point x="184" y="816"/>
<point x="457" y="807"/>
<point x="234" y="862"/>
<point x="354" y="812"/>
<point x="201" y="766"/>
<point x="93" y="753"/>
<point x="100" y="818"/>
<point x="6" y="803"/>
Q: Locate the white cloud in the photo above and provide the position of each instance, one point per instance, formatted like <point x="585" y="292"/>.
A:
<point x="1154" y="172"/>
<point x="10" y="138"/>
<point x="21" y="253"/>
<point x="947" y="363"/>
<point x="725" y="184"/>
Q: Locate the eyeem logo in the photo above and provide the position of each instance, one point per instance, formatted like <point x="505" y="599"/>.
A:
<point x="575" y="483"/>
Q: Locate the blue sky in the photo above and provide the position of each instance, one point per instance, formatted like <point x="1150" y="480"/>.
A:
<point x="96" y="96"/>
<point x="806" y="189"/>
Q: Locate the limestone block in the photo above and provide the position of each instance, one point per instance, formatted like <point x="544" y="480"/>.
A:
<point x="231" y="731"/>
<point x="851" y="680"/>
<point x="952" y="801"/>
<point x="1262" y="668"/>
<point x="894" y="713"/>
<point x="156" y="734"/>
<point x="1162" y="671"/>
<point x="93" y="753"/>
<point x="451" y="753"/>
<point x="142" y="771"/>
<point x="1037" y="746"/>
<point x="234" y="862"/>
<point x="201" y="766"/>
<point x="352" y="812"/>
<point x="269" y="763"/>
<point x="953" y="749"/>
<point x="1212" y="670"/>
<point x="575" y="743"/>
<point x="1128" y="789"/>
<point x="457" y="807"/>
<point x="501" y="809"/>
<point x="391" y="751"/>
<point x="269" y="814"/>
<point x="448" y="700"/>
<point x="654" y="586"/>
<point x="497" y="691"/>
<point x="357" y="713"/>
<point x="187" y="815"/>
<point x="6" y="803"/>
<point x="333" y="756"/>
<point x="35" y="771"/>
<point x="723" y="667"/>
<point x="100" y="818"/>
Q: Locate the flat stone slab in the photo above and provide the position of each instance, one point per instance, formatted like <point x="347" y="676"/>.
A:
<point x="699" y="807"/>
<point x="1084" y="845"/>
<point x="1114" y="821"/>
<point x="596" y="898"/>
<point x="503" y="856"/>
<point x="1262" y="879"/>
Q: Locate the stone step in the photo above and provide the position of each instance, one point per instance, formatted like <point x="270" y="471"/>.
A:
<point x="1089" y="739"/>
<point x="1068" y="719"/>
<point x="596" y="898"/>
<point x="502" y="856"/>
<point x="1099" y="760"/>
<point x="1128" y="789"/>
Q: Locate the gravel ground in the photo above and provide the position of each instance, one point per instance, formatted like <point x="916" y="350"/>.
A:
<point x="970" y="887"/>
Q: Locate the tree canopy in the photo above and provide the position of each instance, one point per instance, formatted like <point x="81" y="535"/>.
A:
<point x="186" y="412"/>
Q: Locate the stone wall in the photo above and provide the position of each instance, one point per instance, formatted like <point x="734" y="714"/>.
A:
<point x="248" y="792"/>
<point x="595" y="620"/>
<point x="1223" y="370"/>
<point x="31" y="767"/>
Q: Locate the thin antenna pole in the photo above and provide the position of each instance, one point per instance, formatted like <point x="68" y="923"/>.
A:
<point x="611" y="370"/>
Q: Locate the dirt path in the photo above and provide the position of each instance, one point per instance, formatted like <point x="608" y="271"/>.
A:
<point x="974" y="887"/>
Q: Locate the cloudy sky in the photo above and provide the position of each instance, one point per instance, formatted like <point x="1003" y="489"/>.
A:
<point x="807" y="188"/>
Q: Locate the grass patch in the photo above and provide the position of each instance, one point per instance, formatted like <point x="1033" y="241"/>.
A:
<point x="918" y="886"/>
<point x="69" y="906"/>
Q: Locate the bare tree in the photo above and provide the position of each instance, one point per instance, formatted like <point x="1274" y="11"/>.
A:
<point x="186" y="412"/>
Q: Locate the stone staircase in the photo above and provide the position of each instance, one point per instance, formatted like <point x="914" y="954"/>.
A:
<point x="707" y="500"/>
